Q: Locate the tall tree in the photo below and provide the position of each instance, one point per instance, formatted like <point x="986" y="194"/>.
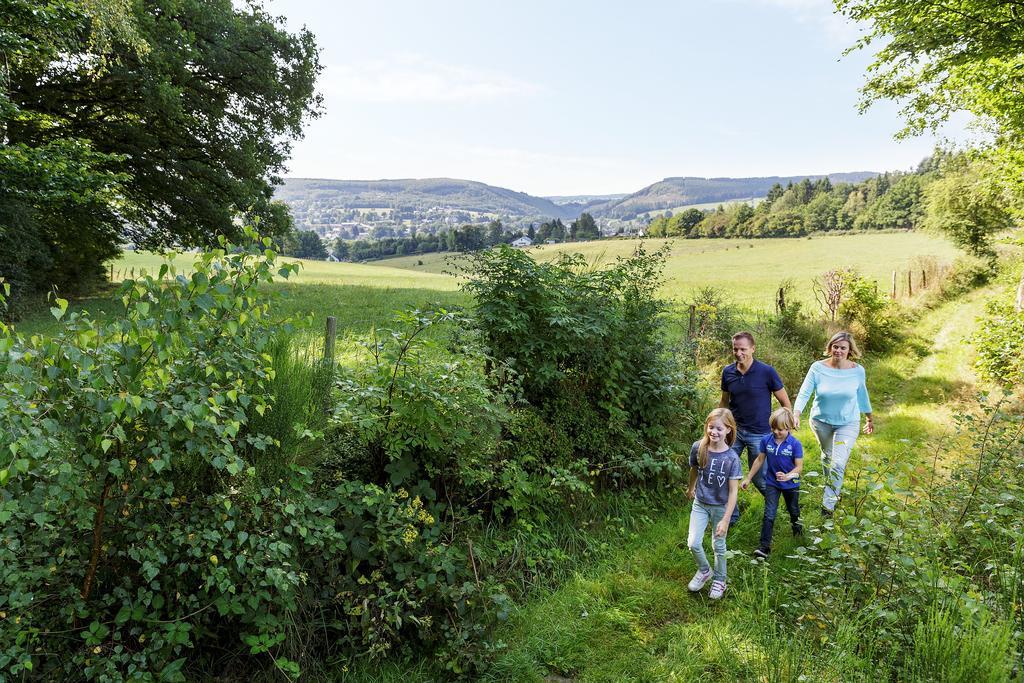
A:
<point x="175" y="116"/>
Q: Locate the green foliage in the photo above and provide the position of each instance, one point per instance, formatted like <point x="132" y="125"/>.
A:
<point x="937" y="59"/>
<point x="564" y="328"/>
<point x="966" y="273"/>
<point x="140" y="122"/>
<point x="307" y="245"/>
<point x="913" y="552"/>
<point x="968" y="206"/>
<point x="999" y="342"/>
<point x="714" y="324"/>
<point x="132" y="518"/>
<point x="869" y="314"/>
<point x="420" y="413"/>
<point x="947" y="649"/>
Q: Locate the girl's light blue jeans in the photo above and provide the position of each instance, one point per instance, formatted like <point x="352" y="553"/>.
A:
<point x="700" y="516"/>
<point x="836" y="443"/>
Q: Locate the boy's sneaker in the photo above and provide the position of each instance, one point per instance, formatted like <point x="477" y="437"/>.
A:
<point x="762" y="553"/>
<point x="798" y="529"/>
<point x="699" y="579"/>
<point x="717" y="590"/>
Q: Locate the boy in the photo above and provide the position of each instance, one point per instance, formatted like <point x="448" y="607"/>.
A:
<point x="783" y="457"/>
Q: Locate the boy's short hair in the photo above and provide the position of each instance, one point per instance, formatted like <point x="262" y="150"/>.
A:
<point x="782" y="418"/>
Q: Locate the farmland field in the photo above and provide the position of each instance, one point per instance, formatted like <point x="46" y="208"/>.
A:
<point x="750" y="270"/>
<point x="362" y="295"/>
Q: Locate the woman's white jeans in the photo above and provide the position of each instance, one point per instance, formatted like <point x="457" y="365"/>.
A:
<point x="836" y="443"/>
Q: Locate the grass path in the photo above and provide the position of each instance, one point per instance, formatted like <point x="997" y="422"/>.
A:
<point x="632" y="619"/>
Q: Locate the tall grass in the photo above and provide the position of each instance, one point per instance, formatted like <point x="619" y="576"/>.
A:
<point x="950" y="648"/>
<point x="301" y="391"/>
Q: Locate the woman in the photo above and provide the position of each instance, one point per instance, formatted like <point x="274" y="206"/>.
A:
<point x="840" y="396"/>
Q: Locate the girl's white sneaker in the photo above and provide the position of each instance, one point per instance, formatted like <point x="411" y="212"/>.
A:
<point x="717" y="590"/>
<point x="699" y="579"/>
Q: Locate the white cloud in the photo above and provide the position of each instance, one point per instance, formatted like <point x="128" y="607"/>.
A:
<point x="839" y="29"/>
<point x="414" y="78"/>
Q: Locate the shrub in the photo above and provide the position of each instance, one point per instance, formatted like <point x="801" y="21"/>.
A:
<point x="913" y="552"/>
<point x="131" y="517"/>
<point x="999" y="342"/>
<point x="715" y="321"/>
<point x="588" y="350"/>
<point x="420" y="411"/>
<point x="869" y="313"/>
<point x="966" y="273"/>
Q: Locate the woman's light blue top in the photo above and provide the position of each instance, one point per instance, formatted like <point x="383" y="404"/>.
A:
<point x="840" y="396"/>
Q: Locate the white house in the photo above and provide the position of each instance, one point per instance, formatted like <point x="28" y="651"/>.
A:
<point x="522" y="242"/>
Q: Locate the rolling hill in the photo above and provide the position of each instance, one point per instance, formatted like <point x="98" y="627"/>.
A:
<point x="446" y="201"/>
<point x="671" y="193"/>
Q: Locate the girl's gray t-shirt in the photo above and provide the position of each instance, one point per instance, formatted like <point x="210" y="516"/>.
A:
<point x="713" y="480"/>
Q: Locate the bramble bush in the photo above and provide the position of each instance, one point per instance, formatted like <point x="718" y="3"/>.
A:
<point x="133" y="527"/>
<point x="148" y="529"/>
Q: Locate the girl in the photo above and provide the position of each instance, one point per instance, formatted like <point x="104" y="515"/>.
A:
<point x="840" y="397"/>
<point x="714" y="481"/>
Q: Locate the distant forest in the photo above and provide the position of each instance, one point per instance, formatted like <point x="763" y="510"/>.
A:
<point x="891" y="201"/>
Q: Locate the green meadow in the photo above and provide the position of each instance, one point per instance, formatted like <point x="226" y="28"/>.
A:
<point x="364" y="295"/>
<point x="749" y="270"/>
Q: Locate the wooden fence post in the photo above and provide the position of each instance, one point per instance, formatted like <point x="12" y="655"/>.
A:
<point x="693" y="321"/>
<point x="329" y="336"/>
<point x="111" y="272"/>
<point x="924" y="279"/>
<point x="780" y="300"/>
<point x="894" y="284"/>
<point x="910" y="283"/>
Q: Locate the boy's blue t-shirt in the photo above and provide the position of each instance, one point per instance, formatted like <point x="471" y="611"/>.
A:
<point x="750" y="395"/>
<point x="713" y="480"/>
<point x="780" y="457"/>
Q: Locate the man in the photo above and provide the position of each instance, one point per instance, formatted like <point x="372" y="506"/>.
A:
<point x="747" y="389"/>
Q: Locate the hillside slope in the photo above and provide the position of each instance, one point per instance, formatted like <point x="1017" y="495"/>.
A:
<point x="674" y="192"/>
<point x="317" y="200"/>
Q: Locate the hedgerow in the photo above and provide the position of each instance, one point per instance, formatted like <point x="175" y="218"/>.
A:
<point x="179" y="493"/>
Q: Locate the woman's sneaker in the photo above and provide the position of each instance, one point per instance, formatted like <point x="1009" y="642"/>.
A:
<point x="798" y="529"/>
<point x="699" y="579"/>
<point x="717" y="590"/>
<point x="762" y="553"/>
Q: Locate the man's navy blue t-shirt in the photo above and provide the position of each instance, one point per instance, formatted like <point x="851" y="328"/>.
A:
<point x="750" y="395"/>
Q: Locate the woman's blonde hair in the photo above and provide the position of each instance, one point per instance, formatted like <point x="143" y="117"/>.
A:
<point x="846" y="337"/>
<point x="782" y="418"/>
<point x="725" y="415"/>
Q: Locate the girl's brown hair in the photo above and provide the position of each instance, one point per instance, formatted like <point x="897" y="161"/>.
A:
<point x="846" y="337"/>
<point x="725" y="415"/>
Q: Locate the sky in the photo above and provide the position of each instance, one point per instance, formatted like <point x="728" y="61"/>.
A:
<point x="565" y="97"/>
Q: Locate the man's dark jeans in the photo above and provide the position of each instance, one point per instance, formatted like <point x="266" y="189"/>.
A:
<point x="771" y="506"/>
<point x="751" y="441"/>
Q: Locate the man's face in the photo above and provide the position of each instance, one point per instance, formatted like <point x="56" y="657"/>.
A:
<point x="743" y="351"/>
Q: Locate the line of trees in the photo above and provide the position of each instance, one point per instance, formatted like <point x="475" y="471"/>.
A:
<point x="888" y="201"/>
<point x="468" y="238"/>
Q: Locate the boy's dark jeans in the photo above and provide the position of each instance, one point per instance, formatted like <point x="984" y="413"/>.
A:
<point x="771" y="505"/>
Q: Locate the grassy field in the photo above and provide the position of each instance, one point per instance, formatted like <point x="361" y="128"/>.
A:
<point x="362" y="295"/>
<point x="749" y="271"/>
